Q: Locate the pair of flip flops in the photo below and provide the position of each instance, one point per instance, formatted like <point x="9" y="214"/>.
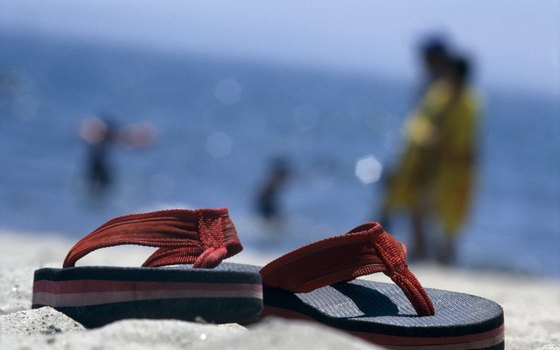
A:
<point x="186" y="279"/>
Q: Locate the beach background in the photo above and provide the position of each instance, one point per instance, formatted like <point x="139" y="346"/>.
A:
<point x="230" y="87"/>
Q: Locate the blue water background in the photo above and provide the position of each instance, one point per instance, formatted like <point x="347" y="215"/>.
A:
<point x="220" y="122"/>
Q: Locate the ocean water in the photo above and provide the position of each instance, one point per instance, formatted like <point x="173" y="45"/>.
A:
<point x="221" y="121"/>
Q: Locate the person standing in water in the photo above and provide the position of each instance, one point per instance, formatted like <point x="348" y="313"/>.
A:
<point x="434" y="177"/>
<point x="100" y="133"/>
<point x="269" y="192"/>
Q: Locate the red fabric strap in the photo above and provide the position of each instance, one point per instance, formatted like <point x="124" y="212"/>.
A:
<point x="364" y="250"/>
<point x="202" y="237"/>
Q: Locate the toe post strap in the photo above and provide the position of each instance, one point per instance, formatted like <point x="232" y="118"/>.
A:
<point x="397" y="269"/>
<point x="364" y="250"/>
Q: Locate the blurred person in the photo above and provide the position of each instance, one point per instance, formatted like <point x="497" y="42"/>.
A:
<point x="435" y="59"/>
<point x="267" y="198"/>
<point x="101" y="133"/>
<point x="435" y="175"/>
<point x="98" y="133"/>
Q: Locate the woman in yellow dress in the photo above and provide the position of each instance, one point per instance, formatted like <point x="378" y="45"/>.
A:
<point x="435" y="175"/>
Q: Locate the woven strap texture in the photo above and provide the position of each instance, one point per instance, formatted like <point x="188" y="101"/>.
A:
<point x="364" y="250"/>
<point x="202" y="237"/>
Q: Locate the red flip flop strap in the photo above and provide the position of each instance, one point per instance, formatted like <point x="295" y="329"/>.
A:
<point x="365" y="250"/>
<point x="203" y="237"/>
<point x="332" y="260"/>
<point x="398" y="271"/>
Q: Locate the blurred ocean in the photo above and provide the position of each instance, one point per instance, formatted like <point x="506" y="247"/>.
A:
<point x="221" y="122"/>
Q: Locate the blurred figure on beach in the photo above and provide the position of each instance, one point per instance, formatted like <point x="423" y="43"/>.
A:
<point x="435" y="59"/>
<point x="268" y="195"/>
<point x="101" y="133"/>
<point x="434" y="177"/>
<point x="98" y="133"/>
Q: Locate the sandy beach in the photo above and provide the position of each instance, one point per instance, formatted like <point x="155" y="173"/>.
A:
<point x="531" y="304"/>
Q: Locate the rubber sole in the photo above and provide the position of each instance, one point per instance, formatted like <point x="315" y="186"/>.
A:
<point x="95" y="296"/>
<point x="380" y="313"/>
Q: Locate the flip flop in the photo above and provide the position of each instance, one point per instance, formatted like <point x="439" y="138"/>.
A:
<point x="164" y="287"/>
<point x="318" y="282"/>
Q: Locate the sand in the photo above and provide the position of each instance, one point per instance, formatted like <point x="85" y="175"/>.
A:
<point x="532" y="308"/>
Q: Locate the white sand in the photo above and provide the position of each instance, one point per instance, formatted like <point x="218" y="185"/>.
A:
<point x="532" y="308"/>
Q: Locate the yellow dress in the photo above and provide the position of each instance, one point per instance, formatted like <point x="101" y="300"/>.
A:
<point x="437" y="167"/>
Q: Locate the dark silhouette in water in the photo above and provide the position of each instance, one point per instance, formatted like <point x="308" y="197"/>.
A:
<point x="101" y="133"/>
<point x="267" y="200"/>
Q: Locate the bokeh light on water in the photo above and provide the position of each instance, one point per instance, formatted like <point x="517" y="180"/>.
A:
<point x="219" y="145"/>
<point x="368" y="169"/>
<point x="228" y="91"/>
